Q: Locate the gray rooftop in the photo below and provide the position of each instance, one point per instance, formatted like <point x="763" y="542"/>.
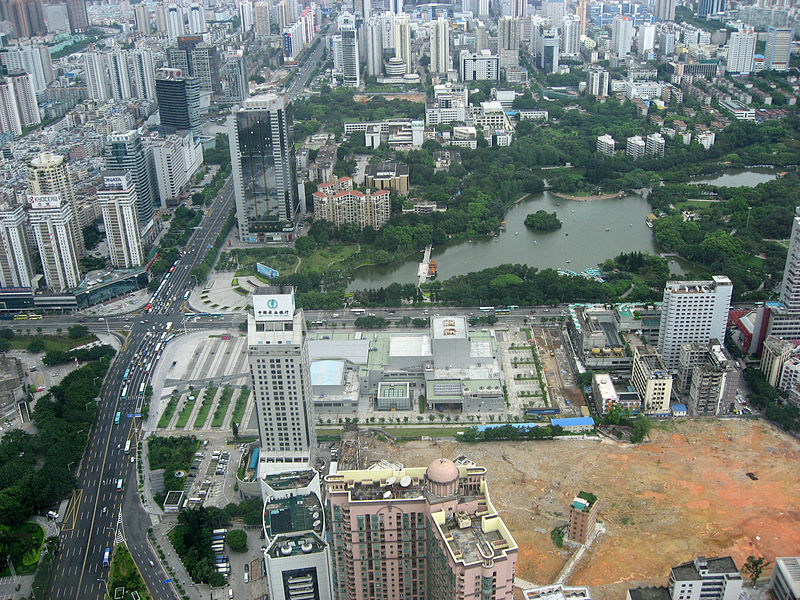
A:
<point x="649" y="593"/>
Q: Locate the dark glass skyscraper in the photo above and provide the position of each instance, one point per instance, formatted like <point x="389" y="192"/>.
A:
<point x="178" y="101"/>
<point x="264" y="174"/>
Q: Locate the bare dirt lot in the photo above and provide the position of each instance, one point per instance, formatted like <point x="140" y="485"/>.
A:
<point x="685" y="493"/>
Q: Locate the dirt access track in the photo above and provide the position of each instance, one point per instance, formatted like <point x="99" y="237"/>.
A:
<point x="683" y="494"/>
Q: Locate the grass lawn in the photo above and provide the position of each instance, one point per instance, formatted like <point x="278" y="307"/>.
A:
<point x="31" y="535"/>
<point x="183" y="417"/>
<point x="752" y="261"/>
<point x="222" y="407"/>
<point x="205" y="408"/>
<point x="51" y="342"/>
<point x="167" y="414"/>
<point x="694" y="204"/>
<point x="124" y="574"/>
<point x="322" y="258"/>
<point x="240" y="406"/>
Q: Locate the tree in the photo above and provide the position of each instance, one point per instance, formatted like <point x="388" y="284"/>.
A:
<point x="78" y="331"/>
<point x="36" y="345"/>
<point x="236" y="540"/>
<point x="754" y="566"/>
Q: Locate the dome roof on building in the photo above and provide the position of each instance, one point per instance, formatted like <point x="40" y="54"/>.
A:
<point x="442" y="470"/>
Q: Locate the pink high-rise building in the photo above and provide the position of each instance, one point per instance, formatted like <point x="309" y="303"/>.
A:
<point x="418" y="534"/>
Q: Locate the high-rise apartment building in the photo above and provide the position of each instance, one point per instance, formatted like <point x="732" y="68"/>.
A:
<point x="338" y="203"/>
<point x="374" y="43"/>
<point x="192" y="56"/>
<point x="263" y="164"/>
<point x="31" y="59"/>
<point x="651" y="380"/>
<point x="261" y="17"/>
<point x="176" y="158"/>
<point x="125" y="152"/>
<point x="280" y="373"/>
<point x="665" y="10"/>
<point x="18" y="105"/>
<point x="790" y="284"/>
<point x="508" y="32"/>
<point x="15" y="259"/>
<point x="621" y="35"/>
<point x="26" y="17"/>
<point x="178" y="101"/>
<point x="425" y="533"/>
<point x="555" y="10"/>
<point x="597" y="82"/>
<point x="709" y="374"/>
<point x="78" y="19"/>
<point x="519" y="9"/>
<point x="645" y="39"/>
<point x="654" y="145"/>
<point x="741" y="49"/>
<point x="246" y="15"/>
<point x="571" y="35"/>
<point x="56" y="232"/>
<point x="117" y="199"/>
<point x="402" y="38"/>
<point x="141" y="18"/>
<point x="197" y="18"/>
<point x="707" y="8"/>
<point x="349" y="60"/>
<point x="779" y="44"/>
<point x="606" y="145"/>
<point x="234" y="77"/>
<point x="175" y="27"/>
<point x="47" y="175"/>
<point x="785" y="579"/>
<point x="635" y="147"/>
<point x="94" y="65"/>
<point x="118" y="75"/>
<point x="582" y="517"/>
<point x="144" y="75"/>
<point x="692" y="311"/>
<point x="440" y="46"/>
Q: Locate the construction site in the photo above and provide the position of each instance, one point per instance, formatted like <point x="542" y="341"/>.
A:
<point x="721" y="487"/>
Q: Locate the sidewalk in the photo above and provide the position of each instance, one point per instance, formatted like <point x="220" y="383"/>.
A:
<point x="173" y="561"/>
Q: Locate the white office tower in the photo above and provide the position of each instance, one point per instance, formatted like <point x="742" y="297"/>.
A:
<point x="621" y="35"/>
<point x="440" y="46"/>
<point x="571" y="35"/>
<point x="117" y="199"/>
<point x="280" y="376"/>
<point x="519" y="9"/>
<point x="741" y="48"/>
<point x="395" y="6"/>
<point x="597" y="82"/>
<point x="692" y="311"/>
<point x="387" y="28"/>
<point x="261" y="17"/>
<point x="665" y="10"/>
<point x="402" y="37"/>
<point x="144" y="74"/>
<point x="246" y="14"/>
<point x="161" y="18"/>
<point x="790" y="285"/>
<point x="483" y="8"/>
<point x="197" y="19"/>
<point x="56" y="232"/>
<point x="176" y="158"/>
<point x="481" y="37"/>
<point x="555" y="10"/>
<point x="374" y="33"/>
<point x="15" y="260"/>
<point x="779" y="44"/>
<point x="646" y="39"/>
<point x="548" y="49"/>
<point x="350" y="63"/>
<point x="175" y="27"/>
<point x="94" y="66"/>
<point x="48" y="174"/>
<point x="118" y="75"/>
<point x="141" y="18"/>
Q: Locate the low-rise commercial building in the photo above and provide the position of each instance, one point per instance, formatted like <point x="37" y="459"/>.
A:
<point x="387" y="175"/>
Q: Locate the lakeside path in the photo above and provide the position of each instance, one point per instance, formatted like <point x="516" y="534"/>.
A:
<point x="619" y="194"/>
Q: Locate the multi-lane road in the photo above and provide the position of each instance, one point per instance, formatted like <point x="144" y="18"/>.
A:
<point x="105" y="504"/>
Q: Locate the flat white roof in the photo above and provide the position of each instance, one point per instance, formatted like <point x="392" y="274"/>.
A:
<point x="410" y="345"/>
<point x="449" y="328"/>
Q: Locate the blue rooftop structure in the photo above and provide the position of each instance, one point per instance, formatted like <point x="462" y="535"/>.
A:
<point x="254" y="458"/>
<point x="327" y="372"/>
<point x="573" y="422"/>
<point x="517" y="425"/>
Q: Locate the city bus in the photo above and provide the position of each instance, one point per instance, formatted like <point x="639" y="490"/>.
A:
<point x="141" y="389"/>
<point x="34" y="316"/>
<point x="186" y="295"/>
<point x="189" y="315"/>
<point x="513" y="307"/>
<point x="126" y="375"/>
<point x="107" y="557"/>
<point x="358" y="311"/>
<point x="124" y="393"/>
<point x="20" y="317"/>
<point x="128" y="447"/>
<point x="486" y="309"/>
<point x="116" y="418"/>
<point x="502" y="311"/>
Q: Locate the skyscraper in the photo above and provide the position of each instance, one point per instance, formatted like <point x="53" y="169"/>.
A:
<point x="692" y="311"/>
<point x="741" y="48"/>
<point x="178" y="101"/>
<point x="555" y="10"/>
<point x="402" y="38"/>
<point x="263" y="163"/>
<point x="710" y="7"/>
<point x="56" y="232"/>
<point x="15" y="260"/>
<point x="125" y="152"/>
<point x="790" y="285"/>
<point x="118" y="71"/>
<point x="246" y="14"/>
<point x="144" y="77"/>
<point x="519" y="9"/>
<point x="27" y="18"/>
<point x="621" y="35"/>
<point x="646" y="39"/>
<point x="665" y="10"/>
<point x="779" y="44"/>
<point x="350" y="62"/>
<point x="281" y="378"/>
<point x="78" y="19"/>
<point x="175" y="27"/>
<point x="47" y="175"/>
<point x="141" y="17"/>
<point x="443" y="544"/>
<point x="261" y="17"/>
<point x="197" y="18"/>
<point x="117" y="199"/>
<point x="374" y="35"/>
<point x="20" y="86"/>
<point x="94" y="65"/>
<point x="571" y="35"/>
<point x="440" y="46"/>
<point x="234" y="77"/>
<point x="548" y="49"/>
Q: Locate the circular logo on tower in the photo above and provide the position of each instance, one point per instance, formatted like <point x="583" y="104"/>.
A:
<point x="272" y="303"/>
